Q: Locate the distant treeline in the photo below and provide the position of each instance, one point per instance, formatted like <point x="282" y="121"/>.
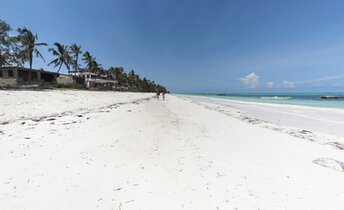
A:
<point x="22" y="47"/>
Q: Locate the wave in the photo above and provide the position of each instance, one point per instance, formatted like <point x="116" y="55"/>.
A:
<point x="275" y="98"/>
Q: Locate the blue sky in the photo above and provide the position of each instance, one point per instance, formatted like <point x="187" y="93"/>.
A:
<point x="200" y="45"/>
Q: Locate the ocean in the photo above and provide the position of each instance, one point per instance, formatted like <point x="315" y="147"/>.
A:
<point x="304" y="99"/>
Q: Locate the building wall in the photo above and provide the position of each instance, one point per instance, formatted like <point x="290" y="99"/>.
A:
<point x="6" y="79"/>
<point x="8" y="82"/>
<point x="6" y="73"/>
<point x="48" y="77"/>
<point x="23" y="74"/>
<point x="65" y="80"/>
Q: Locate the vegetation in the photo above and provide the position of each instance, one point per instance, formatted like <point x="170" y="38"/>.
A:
<point x="50" y="85"/>
<point x="19" y="49"/>
<point x="91" y="62"/>
<point x="75" y="51"/>
<point x="28" y="46"/>
<point x="9" y="47"/>
<point x="62" y="56"/>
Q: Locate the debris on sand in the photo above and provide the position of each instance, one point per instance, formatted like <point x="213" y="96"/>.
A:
<point x="330" y="163"/>
<point x="337" y="145"/>
<point x="305" y="131"/>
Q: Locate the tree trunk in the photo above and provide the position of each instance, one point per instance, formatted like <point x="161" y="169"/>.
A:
<point x="75" y="69"/>
<point x="58" y="72"/>
<point x="30" y="69"/>
<point x="76" y="63"/>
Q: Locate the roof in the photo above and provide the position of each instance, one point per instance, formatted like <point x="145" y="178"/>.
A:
<point x="25" y="69"/>
<point x="82" y="73"/>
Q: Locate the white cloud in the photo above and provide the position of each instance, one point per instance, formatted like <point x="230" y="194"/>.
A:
<point x="285" y="84"/>
<point x="328" y="81"/>
<point x="322" y="79"/>
<point x="251" y="80"/>
<point x="271" y="85"/>
<point x="288" y="84"/>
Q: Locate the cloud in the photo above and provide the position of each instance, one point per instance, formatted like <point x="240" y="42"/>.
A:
<point x="322" y="79"/>
<point x="271" y="85"/>
<point x="288" y="84"/>
<point x="285" y="84"/>
<point x="250" y="81"/>
<point x="317" y="82"/>
<point x="327" y="81"/>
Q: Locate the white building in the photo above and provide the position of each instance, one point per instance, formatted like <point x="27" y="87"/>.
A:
<point x="93" y="80"/>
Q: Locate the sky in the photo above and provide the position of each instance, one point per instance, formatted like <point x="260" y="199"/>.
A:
<point x="193" y="46"/>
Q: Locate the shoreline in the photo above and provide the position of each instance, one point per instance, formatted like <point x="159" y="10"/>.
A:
<point x="316" y="119"/>
<point x="263" y="103"/>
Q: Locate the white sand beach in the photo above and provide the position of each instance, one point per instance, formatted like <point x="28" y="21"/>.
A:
<point x="108" y="150"/>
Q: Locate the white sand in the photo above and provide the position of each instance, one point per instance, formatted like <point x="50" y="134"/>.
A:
<point x="89" y="150"/>
<point x="324" y="120"/>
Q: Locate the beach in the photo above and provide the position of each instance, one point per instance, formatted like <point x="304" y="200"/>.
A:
<point x="115" y="150"/>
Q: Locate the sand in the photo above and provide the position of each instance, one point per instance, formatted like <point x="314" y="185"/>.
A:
<point x="106" y="150"/>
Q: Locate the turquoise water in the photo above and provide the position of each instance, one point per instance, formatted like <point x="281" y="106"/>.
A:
<point x="305" y="99"/>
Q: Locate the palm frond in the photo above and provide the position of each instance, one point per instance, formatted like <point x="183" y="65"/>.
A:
<point x="53" y="61"/>
<point x="38" y="54"/>
<point x="41" y="44"/>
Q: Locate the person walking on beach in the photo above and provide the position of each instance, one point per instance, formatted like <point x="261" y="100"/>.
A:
<point x="163" y="95"/>
<point x="157" y="94"/>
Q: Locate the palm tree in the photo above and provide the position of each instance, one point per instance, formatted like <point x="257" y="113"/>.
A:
<point x="132" y="79"/>
<point x="29" y="46"/>
<point x="91" y="62"/>
<point x="75" y="51"/>
<point x="62" y="57"/>
<point x="96" y="67"/>
<point x="117" y="74"/>
<point x="88" y="59"/>
<point x="119" y="71"/>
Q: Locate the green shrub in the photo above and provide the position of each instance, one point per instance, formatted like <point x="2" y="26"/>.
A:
<point x="54" y="85"/>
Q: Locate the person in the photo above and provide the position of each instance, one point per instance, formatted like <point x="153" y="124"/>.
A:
<point x="157" y="94"/>
<point x="163" y="95"/>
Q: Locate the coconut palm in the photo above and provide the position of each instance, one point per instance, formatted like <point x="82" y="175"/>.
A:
<point x="75" y="51"/>
<point x="133" y="79"/>
<point x="29" y="46"/>
<point x="88" y="59"/>
<point x="96" y="67"/>
<point x="116" y="73"/>
<point x="91" y="62"/>
<point x="62" y="56"/>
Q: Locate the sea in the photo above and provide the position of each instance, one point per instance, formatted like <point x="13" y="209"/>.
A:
<point x="303" y="99"/>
